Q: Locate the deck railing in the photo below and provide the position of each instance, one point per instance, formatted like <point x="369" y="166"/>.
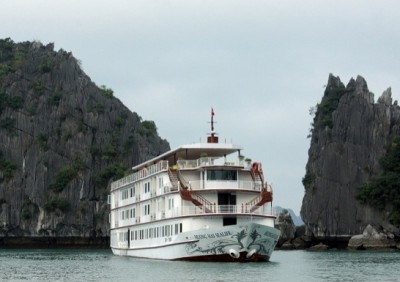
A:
<point x="196" y="211"/>
<point x="215" y="209"/>
<point x="208" y="161"/>
<point x="143" y="173"/>
<point x="163" y="165"/>
<point x="221" y="184"/>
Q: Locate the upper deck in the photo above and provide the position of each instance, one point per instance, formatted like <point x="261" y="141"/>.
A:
<point x="193" y="152"/>
<point x="171" y="159"/>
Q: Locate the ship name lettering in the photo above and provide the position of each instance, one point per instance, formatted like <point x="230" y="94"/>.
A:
<point x="213" y="235"/>
<point x="223" y="234"/>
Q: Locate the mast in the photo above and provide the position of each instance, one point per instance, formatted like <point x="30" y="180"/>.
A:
<point x="212" y="138"/>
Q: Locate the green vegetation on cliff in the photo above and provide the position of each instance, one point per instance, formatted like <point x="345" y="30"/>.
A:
<point x="384" y="190"/>
<point x="63" y="140"/>
<point x="7" y="167"/>
<point x="330" y="101"/>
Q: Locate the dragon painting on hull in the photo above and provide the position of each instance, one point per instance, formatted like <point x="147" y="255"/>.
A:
<point x="257" y="241"/>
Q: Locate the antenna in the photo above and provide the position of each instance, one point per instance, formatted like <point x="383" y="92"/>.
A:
<point x="212" y="119"/>
<point x="212" y="138"/>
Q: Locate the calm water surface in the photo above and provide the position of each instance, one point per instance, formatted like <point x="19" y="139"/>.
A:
<point x="102" y="265"/>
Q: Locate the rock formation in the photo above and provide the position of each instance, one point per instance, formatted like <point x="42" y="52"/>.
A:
<point x="292" y="236"/>
<point x="62" y="139"/>
<point x="349" y="136"/>
<point x="284" y="223"/>
<point x="371" y="239"/>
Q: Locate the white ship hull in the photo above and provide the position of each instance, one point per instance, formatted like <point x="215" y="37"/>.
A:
<point x="249" y="242"/>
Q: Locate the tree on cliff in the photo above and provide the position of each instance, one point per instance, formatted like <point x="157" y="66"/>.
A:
<point x="383" y="192"/>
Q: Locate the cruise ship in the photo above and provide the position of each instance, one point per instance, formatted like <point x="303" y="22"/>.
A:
<point x="198" y="202"/>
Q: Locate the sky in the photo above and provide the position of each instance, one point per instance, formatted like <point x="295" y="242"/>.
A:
<point x="261" y="65"/>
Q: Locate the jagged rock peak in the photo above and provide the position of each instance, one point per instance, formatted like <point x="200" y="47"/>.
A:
<point x="361" y="85"/>
<point x="351" y="84"/>
<point x="350" y="135"/>
<point x="335" y="88"/>
<point x="333" y="82"/>
<point x="386" y="97"/>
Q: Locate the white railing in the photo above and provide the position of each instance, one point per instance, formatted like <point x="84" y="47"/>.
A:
<point x="128" y="201"/>
<point x="128" y="221"/>
<point x="143" y="173"/>
<point x="216" y="209"/>
<point x="164" y="190"/>
<point x="224" y="184"/>
<point x="208" y="161"/>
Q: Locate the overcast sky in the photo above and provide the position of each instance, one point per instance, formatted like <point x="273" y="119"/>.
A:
<point x="260" y="64"/>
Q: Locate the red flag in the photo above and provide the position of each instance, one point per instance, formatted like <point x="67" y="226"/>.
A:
<point x="212" y="112"/>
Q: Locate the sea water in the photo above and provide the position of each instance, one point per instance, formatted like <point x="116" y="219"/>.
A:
<point x="102" y="265"/>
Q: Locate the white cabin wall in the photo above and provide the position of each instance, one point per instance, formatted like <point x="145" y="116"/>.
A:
<point x="195" y="223"/>
<point x="244" y="176"/>
<point x="190" y="175"/>
<point x="255" y="219"/>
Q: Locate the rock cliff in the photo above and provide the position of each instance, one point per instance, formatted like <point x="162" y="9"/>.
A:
<point x="350" y="135"/>
<point x="62" y="140"/>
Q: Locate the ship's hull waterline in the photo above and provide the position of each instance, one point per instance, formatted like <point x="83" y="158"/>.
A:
<point x="234" y="243"/>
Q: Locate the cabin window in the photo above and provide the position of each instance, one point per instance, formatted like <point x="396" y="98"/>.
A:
<point x="147" y="187"/>
<point x="124" y="194"/>
<point x="221" y="174"/>
<point x="160" y="182"/>
<point x="158" y="204"/>
<point x="147" y="209"/>
<point x="170" y="203"/>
